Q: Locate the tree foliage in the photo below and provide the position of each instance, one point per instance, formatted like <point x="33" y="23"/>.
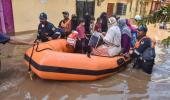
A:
<point x="162" y="15"/>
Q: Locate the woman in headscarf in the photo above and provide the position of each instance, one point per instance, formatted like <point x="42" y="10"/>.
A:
<point x="104" y="18"/>
<point x="133" y="32"/>
<point x="132" y="28"/>
<point x="112" y="41"/>
<point x="126" y="35"/>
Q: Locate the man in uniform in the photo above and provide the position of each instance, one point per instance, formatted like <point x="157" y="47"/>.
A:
<point x="46" y="30"/>
<point x="144" y="51"/>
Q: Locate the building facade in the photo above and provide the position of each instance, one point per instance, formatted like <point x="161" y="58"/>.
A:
<point x="25" y="12"/>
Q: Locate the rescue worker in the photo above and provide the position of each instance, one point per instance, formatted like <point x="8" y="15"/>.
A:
<point x="65" y="24"/>
<point x="46" y="30"/>
<point x="144" y="51"/>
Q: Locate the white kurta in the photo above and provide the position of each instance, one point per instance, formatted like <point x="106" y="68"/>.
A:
<point x="113" y="36"/>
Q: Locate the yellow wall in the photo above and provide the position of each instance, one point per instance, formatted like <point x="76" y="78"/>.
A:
<point x="26" y="12"/>
<point x="129" y="14"/>
<point x="149" y="7"/>
<point x="134" y="5"/>
<point x="103" y="7"/>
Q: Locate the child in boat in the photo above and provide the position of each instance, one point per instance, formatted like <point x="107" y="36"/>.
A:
<point x="97" y="27"/>
<point x="92" y="24"/>
<point x="81" y="33"/>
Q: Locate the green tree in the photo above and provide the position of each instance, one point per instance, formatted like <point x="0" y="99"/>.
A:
<point x="161" y="15"/>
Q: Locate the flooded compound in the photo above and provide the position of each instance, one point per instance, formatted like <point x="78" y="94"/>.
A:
<point x="130" y="84"/>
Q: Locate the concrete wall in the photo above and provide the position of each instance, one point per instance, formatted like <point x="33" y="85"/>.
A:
<point x="26" y="12"/>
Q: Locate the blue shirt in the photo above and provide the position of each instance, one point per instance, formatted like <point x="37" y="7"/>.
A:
<point x="46" y="28"/>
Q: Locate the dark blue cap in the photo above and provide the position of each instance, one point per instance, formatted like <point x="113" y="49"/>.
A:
<point x="142" y="28"/>
<point x="43" y="16"/>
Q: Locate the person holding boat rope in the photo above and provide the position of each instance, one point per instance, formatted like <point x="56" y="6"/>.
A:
<point x="144" y="51"/>
<point x="46" y="30"/>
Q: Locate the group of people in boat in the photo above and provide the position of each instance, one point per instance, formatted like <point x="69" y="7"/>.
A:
<point x="118" y="36"/>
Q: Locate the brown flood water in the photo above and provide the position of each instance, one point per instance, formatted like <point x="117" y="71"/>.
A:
<point x="15" y="83"/>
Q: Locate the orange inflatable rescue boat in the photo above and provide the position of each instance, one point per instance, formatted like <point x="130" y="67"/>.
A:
<point x="55" y="61"/>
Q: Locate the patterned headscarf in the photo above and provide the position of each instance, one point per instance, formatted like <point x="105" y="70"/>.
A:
<point x="132" y="28"/>
<point x="123" y="27"/>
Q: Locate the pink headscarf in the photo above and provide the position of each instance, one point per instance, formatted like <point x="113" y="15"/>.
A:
<point x="132" y="28"/>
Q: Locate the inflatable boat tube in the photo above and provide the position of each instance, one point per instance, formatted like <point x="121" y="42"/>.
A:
<point x="55" y="61"/>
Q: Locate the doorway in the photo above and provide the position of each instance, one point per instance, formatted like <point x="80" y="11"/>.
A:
<point x="110" y="9"/>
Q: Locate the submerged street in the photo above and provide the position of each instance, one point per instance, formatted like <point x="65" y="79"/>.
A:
<point x="129" y="84"/>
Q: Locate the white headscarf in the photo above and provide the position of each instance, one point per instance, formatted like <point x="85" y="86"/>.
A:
<point x="113" y="34"/>
<point x="112" y="21"/>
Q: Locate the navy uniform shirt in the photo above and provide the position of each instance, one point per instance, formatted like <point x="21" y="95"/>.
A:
<point x="47" y="28"/>
<point x="144" y="44"/>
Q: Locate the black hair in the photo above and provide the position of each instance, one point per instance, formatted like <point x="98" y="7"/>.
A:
<point x="81" y="20"/>
<point x="92" y="18"/>
<point x="98" y="19"/>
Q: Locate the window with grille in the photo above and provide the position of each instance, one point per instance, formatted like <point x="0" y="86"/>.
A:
<point x="84" y="6"/>
<point x="121" y="9"/>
